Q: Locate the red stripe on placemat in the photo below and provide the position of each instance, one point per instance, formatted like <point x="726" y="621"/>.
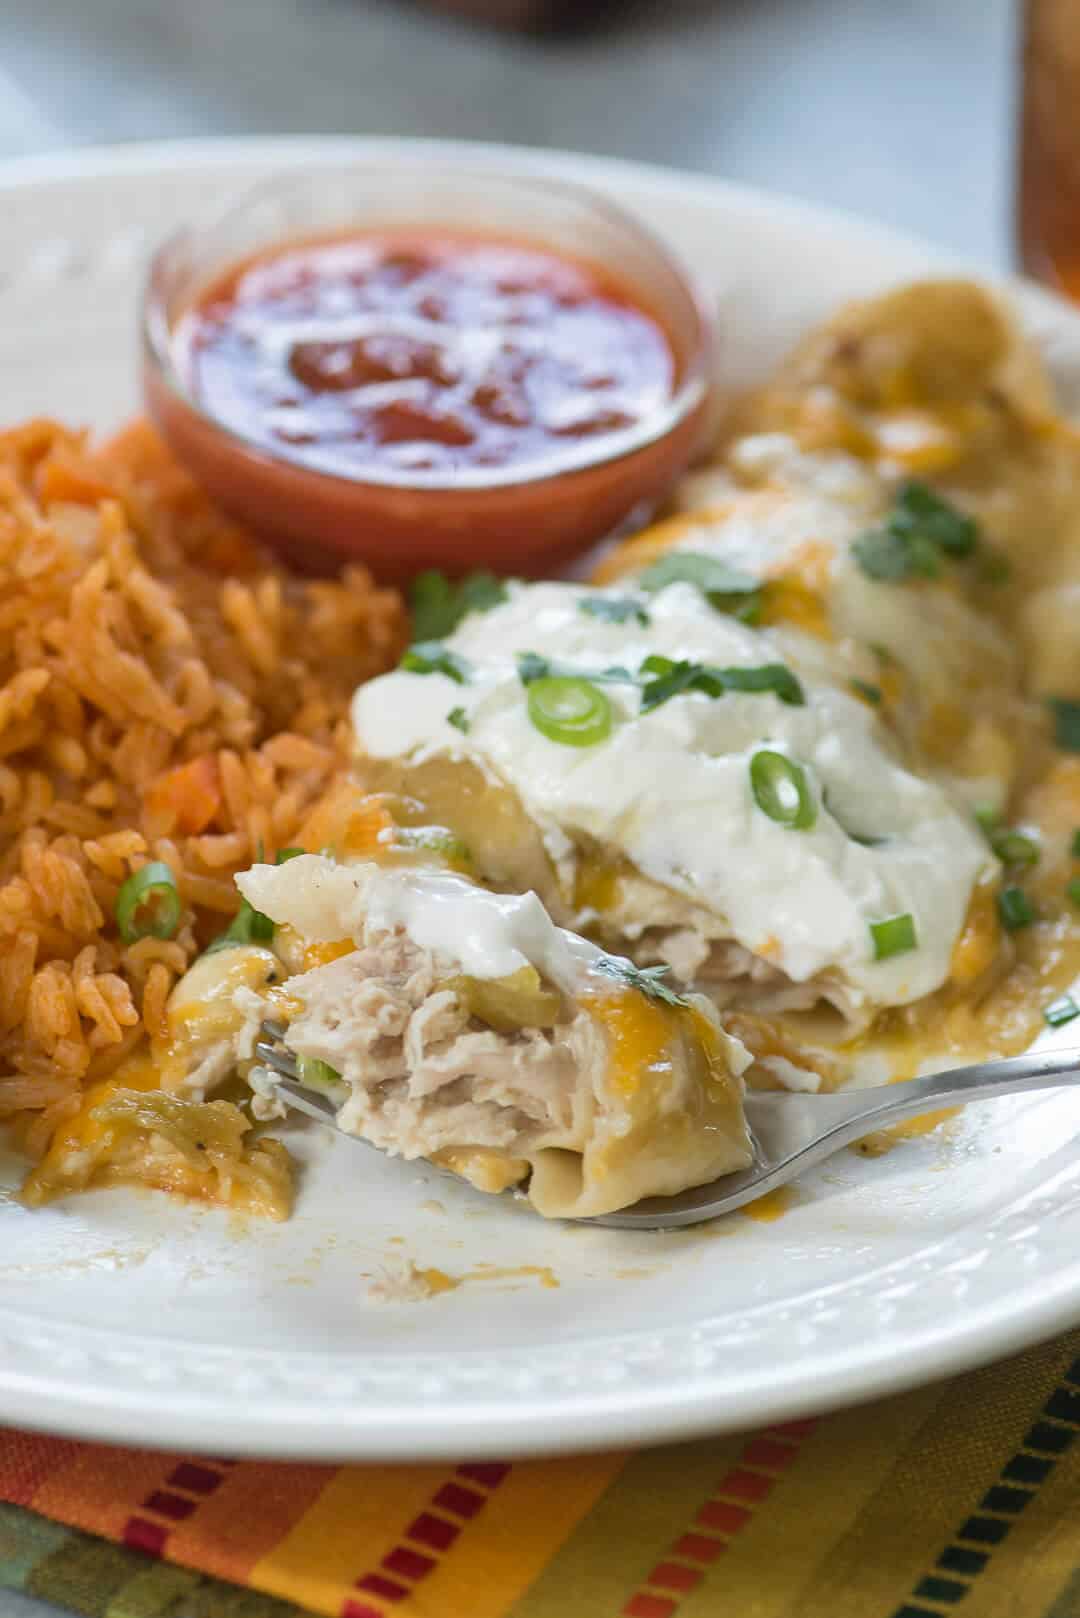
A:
<point x="436" y="1533"/>
<point x="725" y="1513"/>
<point x="198" y="1480"/>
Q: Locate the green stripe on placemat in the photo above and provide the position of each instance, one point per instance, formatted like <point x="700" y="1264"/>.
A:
<point x="102" y="1580"/>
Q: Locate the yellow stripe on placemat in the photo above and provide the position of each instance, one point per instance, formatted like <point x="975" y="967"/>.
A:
<point x="356" y="1520"/>
<point x="519" y="1530"/>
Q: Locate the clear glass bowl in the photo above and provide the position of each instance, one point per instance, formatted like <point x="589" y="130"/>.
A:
<point x="507" y="519"/>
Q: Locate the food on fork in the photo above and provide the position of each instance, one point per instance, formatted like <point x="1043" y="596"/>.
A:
<point x="464" y="1027"/>
<point x="456" y="1025"/>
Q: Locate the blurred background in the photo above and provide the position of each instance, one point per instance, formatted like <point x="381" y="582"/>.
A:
<point x="902" y="110"/>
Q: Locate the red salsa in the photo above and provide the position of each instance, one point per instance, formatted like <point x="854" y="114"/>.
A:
<point x="425" y="354"/>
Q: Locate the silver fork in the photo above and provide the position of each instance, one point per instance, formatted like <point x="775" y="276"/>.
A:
<point x="790" y="1132"/>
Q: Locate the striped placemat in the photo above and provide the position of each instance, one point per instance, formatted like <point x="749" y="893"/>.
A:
<point x="960" y="1497"/>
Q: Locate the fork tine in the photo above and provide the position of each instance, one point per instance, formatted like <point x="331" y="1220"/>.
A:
<point x="273" y="1054"/>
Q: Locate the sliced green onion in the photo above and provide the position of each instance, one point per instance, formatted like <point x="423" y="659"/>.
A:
<point x="614" y="609"/>
<point x="432" y="657"/>
<point x="1066" y="715"/>
<point x="315" y="1073"/>
<point x="148" y="904"/>
<point x="988" y="818"/>
<point x="1014" y="847"/>
<point x="459" y="719"/>
<point x="284" y="855"/>
<point x="1072" y="891"/>
<point x="1059" y="1012"/>
<point x="1015" y="909"/>
<point x="894" y="936"/>
<point x="438" y="604"/>
<point x="869" y="693"/>
<point x="1075" y="844"/>
<point x="781" y="790"/>
<point x="571" y="711"/>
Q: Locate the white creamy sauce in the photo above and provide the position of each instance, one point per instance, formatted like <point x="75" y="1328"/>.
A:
<point x="485" y="935"/>
<point x="671" y="791"/>
<point x="830" y="499"/>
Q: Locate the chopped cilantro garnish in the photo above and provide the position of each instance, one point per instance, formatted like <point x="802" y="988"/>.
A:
<point x="919" y="532"/>
<point x="726" y="588"/>
<point x="774" y="677"/>
<point x="432" y="657"/>
<point x="670" y="679"/>
<point x="1015" y="909"/>
<point x="648" y="980"/>
<point x="439" y="604"/>
<point x="661" y="678"/>
<point x="614" y="609"/>
<point x="884" y="554"/>
<point x="1066" y="715"/>
<point x="531" y="666"/>
<point x="917" y="509"/>
<point x="994" y="568"/>
<point x="248" y="926"/>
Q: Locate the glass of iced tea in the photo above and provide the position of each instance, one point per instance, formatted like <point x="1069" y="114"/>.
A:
<point x="1048" y="203"/>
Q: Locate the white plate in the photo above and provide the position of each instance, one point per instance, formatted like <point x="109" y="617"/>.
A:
<point x="129" y="1318"/>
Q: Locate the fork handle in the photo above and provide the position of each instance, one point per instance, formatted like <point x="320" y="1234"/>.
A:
<point x="854" y="1113"/>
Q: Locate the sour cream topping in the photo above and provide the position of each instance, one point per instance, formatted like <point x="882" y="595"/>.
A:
<point x="816" y="502"/>
<point x="484" y="935"/>
<point x="670" y="789"/>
